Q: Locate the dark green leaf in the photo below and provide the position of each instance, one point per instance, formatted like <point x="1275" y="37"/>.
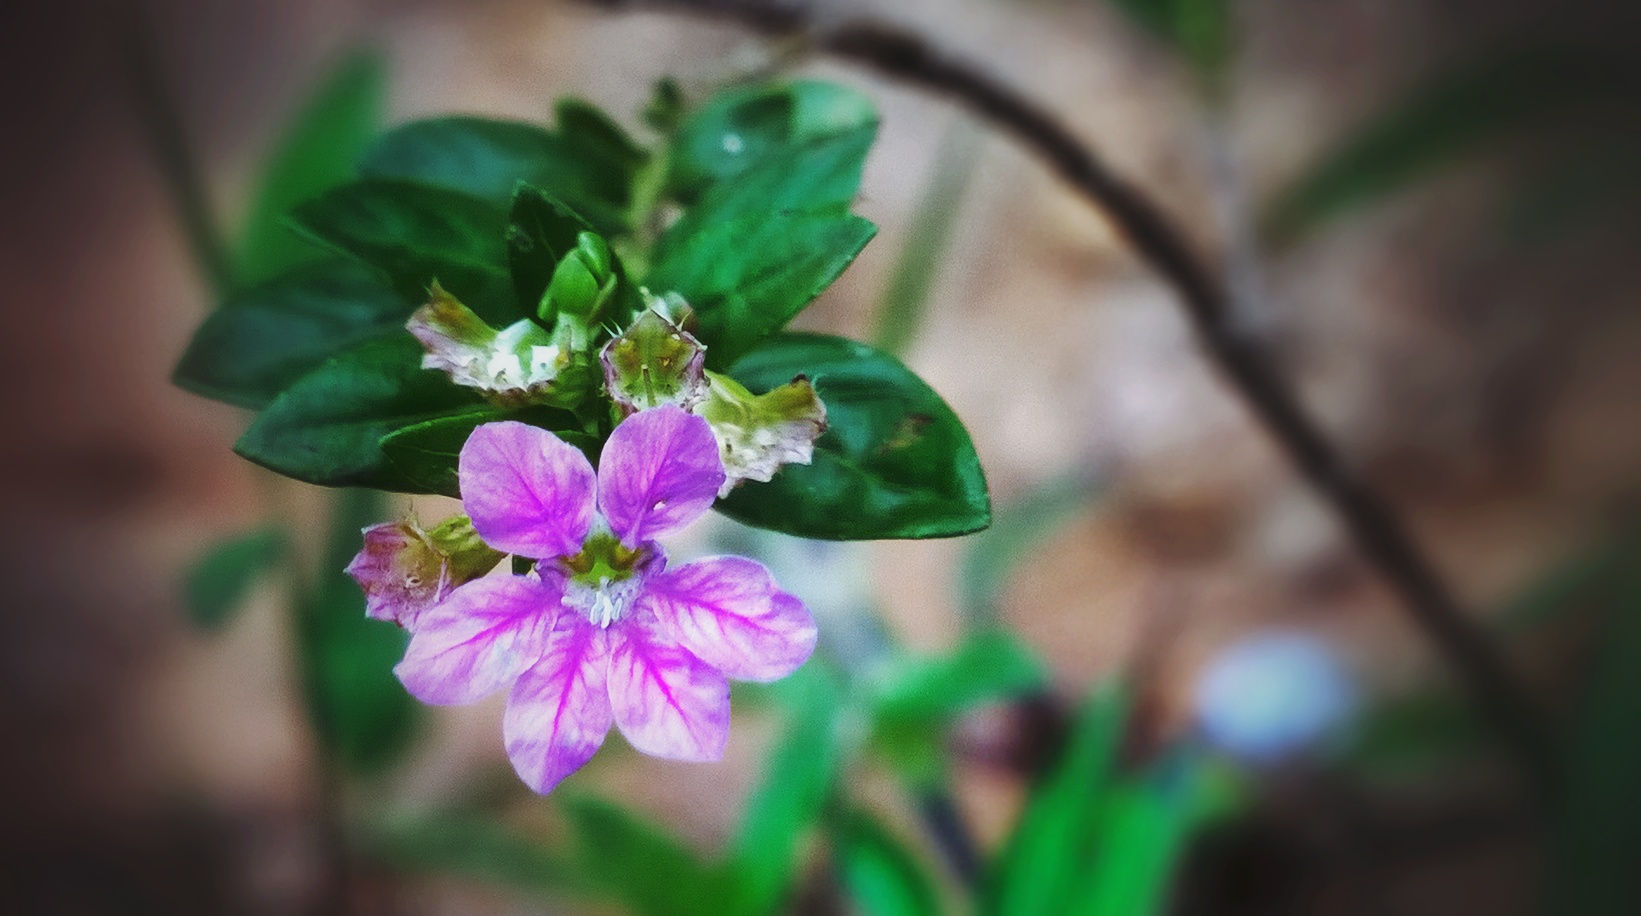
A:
<point x="748" y="277"/>
<point x="317" y="152"/>
<point x="1433" y="124"/>
<point x="359" y="710"/>
<point x="1016" y="530"/>
<point x="1200" y="30"/>
<point x="624" y="857"/>
<point x="486" y="158"/>
<point x="540" y="232"/>
<point x="881" y="875"/>
<point x="820" y="174"/>
<point x="1598" y="829"/>
<point x="267" y="337"/>
<point x="1053" y="842"/>
<point x="989" y="666"/>
<point x="735" y="129"/>
<point x="472" y="847"/>
<point x="424" y="456"/>
<point x="797" y="781"/>
<point x="1142" y="832"/>
<point x="325" y="429"/>
<point x="895" y="461"/>
<point x="221" y="579"/>
<point x="588" y="129"/>
<point x="415" y="234"/>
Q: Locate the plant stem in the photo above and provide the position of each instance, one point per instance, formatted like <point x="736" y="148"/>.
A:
<point x="1373" y="526"/>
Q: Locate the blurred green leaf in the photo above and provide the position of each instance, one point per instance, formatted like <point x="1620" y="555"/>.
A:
<point x="1142" y="831"/>
<point x="797" y="782"/>
<point x="905" y="299"/>
<point x="736" y="128"/>
<point x="470" y="846"/>
<point x="220" y="580"/>
<point x="586" y="127"/>
<point x="626" y="858"/>
<point x="895" y="461"/>
<point x="540" y="232"/>
<point x="1054" y="840"/>
<point x="748" y="277"/>
<point x="989" y="666"/>
<point x="317" y="151"/>
<point x="1411" y="734"/>
<point x="880" y="874"/>
<point x="486" y="158"/>
<point x="1435" y="123"/>
<point x="1589" y="580"/>
<point x="1200" y="30"/>
<point x="360" y="712"/>
<point x="1017" y="529"/>
<point x="424" y="455"/>
<point x="326" y="428"/>
<point x="265" y="338"/>
<point x="1597" y="840"/>
<point x="415" y="234"/>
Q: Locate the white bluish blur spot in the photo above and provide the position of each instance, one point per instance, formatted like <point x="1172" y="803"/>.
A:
<point x="1273" y="695"/>
<point x="733" y="144"/>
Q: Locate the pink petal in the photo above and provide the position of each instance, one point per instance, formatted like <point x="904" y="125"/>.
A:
<point x="478" y="639"/>
<point x="528" y="491"/>
<point x="660" y="470"/>
<point x="728" y="612"/>
<point x="559" y="712"/>
<point x="667" y="702"/>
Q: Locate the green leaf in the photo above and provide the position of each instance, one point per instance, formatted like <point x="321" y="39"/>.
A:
<point x="325" y="429"/>
<point x="748" y="277"/>
<point x="1597" y="840"/>
<point x="1437" y="122"/>
<point x="797" y="782"/>
<point x="627" y="858"/>
<point x="265" y="338"/>
<point x="1054" y="839"/>
<point x="599" y="139"/>
<point x="819" y="174"/>
<point x="736" y="128"/>
<point x="1017" y="529"/>
<point x="363" y="716"/>
<point x="540" y="232"/>
<point x="316" y="152"/>
<point x="1200" y="30"/>
<point x="880" y="874"/>
<point x="469" y="846"/>
<point x="415" y="234"/>
<point x="895" y="461"/>
<point x="485" y="158"/>
<point x="423" y="456"/>
<point x="1142" y="833"/>
<point x="220" y="580"/>
<point x="989" y="666"/>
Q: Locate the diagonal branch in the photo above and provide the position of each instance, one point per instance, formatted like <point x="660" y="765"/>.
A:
<point x="1374" y="527"/>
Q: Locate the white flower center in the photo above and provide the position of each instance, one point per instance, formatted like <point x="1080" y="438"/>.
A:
<point x="604" y="603"/>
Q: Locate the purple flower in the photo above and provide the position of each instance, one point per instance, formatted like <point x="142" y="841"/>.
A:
<point x="603" y="632"/>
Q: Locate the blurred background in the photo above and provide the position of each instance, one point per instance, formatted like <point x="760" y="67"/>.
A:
<point x="1428" y="213"/>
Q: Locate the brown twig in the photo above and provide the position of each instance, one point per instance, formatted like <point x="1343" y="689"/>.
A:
<point x="1374" y="527"/>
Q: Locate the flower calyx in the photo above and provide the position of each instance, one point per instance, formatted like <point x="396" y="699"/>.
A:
<point x="403" y="569"/>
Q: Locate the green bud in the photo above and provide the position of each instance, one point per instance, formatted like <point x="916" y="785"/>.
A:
<point x="654" y="362"/>
<point x="582" y="281"/>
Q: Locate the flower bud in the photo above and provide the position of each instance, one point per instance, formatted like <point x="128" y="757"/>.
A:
<point x="582" y="282"/>
<point x="654" y="362"/>
<point x="404" y="570"/>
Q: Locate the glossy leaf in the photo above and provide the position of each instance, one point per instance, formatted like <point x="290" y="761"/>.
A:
<point x="424" y="456"/>
<point x="317" y="151"/>
<point x="359" y="710"/>
<point x="736" y="128"/>
<point x="895" y="461"/>
<point x="486" y="158"/>
<point x="747" y="278"/>
<point x="325" y="429"/>
<point x="879" y="873"/>
<point x="265" y="338"/>
<point x="989" y="666"/>
<point x="540" y="232"/>
<point x="415" y="234"/>
<point x="626" y="858"/>
<point x="1054" y="839"/>
<point x="220" y="580"/>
